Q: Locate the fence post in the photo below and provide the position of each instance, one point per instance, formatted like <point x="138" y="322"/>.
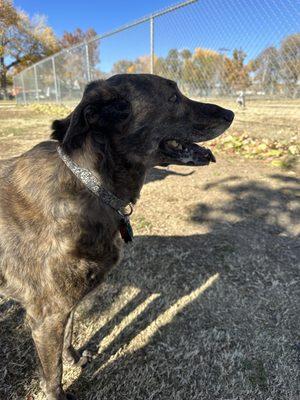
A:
<point x="55" y="80"/>
<point x="151" y="45"/>
<point x="87" y="58"/>
<point x="23" y="87"/>
<point x="15" y="89"/>
<point x="36" y="84"/>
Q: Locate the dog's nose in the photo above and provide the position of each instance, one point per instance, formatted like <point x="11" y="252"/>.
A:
<point x="216" y="112"/>
<point x="228" y="115"/>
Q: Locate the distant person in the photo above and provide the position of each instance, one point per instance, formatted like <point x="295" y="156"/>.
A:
<point x="241" y="101"/>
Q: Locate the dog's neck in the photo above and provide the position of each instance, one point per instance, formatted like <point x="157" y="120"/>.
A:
<point x="119" y="177"/>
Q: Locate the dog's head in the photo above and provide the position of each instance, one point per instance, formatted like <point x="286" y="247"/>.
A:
<point x="142" y="119"/>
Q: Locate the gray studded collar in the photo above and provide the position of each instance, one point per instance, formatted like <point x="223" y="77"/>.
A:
<point x="94" y="185"/>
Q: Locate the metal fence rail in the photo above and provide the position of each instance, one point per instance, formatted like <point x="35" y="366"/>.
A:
<point x="207" y="46"/>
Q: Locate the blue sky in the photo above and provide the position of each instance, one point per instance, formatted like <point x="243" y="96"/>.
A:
<point x="99" y="14"/>
<point x="248" y="24"/>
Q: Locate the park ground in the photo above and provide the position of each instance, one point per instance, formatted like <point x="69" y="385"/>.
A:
<point x="206" y="303"/>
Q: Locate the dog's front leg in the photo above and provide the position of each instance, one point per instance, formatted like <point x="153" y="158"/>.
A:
<point x="48" y="336"/>
<point x="71" y="355"/>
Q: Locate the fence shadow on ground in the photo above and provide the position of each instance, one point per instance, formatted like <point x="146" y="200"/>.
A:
<point x="214" y="314"/>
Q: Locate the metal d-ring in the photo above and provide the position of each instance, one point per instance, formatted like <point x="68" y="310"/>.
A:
<point x="130" y="212"/>
<point x="125" y="214"/>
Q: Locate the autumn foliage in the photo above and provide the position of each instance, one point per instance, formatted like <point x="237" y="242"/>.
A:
<point x="208" y="72"/>
<point x="23" y="41"/>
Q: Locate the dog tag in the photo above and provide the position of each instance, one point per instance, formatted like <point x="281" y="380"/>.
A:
<point x="126" y="230"/>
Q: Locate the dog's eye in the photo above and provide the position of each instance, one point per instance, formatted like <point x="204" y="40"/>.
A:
<point x="174" y="98"/>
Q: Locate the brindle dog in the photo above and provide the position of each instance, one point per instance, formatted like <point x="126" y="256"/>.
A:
<point x="57" y="239"/>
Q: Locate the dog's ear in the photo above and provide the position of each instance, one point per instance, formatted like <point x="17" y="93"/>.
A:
<point x="102" y="111"/>
<point x="60" y="127"/>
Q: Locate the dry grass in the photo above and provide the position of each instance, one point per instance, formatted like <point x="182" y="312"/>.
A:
<point x="205" y="304"/>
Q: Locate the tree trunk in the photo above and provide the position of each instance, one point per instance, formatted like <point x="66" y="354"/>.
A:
<point x="3" y="80"/>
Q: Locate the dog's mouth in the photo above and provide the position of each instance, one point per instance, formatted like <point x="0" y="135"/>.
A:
<point x="185" y="153"/>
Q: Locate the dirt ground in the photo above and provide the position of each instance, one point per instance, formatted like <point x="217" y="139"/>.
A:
<point x="205" y="305"/>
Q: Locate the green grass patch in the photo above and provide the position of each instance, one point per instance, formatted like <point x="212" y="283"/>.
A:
<point x="140" y="224"/>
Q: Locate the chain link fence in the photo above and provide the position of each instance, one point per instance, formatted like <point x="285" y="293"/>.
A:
<point x="210" y="47"/>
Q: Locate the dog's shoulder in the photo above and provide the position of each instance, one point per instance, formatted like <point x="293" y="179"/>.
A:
<point x="24" y="178"/>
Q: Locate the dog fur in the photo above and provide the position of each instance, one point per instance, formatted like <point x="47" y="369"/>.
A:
<point x="57" y="239"/>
